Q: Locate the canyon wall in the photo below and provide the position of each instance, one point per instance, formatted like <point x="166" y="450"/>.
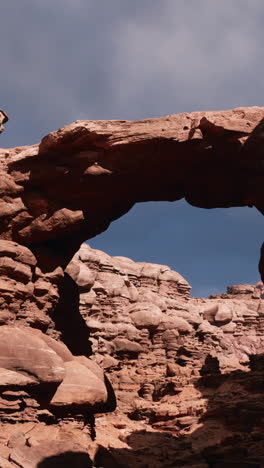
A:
<point x="187" y="373"/>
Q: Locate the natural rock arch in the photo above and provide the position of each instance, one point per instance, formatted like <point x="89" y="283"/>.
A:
<point x="69" y="188"/>
<point x="80" y="178"/>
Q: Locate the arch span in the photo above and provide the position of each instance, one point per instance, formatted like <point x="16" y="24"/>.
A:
<point x="71" y="186"/>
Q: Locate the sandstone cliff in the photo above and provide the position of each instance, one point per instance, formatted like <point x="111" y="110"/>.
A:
<point x="75" y="336"/>
<point x="187" y="372"/>
<point x="189" y="369"/>
<point x="71" y="186"/>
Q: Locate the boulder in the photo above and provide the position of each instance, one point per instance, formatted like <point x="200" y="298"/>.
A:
<point x="224" y="314"/>
<point x="14" y="379"/>
<point x="176" y="323"/>
<point x="80" y="388"/>
<point x="52" y="454"/>
<point x="145" y="315"/>
<point x="122" y="345"/>
<point x="26" y="352"/>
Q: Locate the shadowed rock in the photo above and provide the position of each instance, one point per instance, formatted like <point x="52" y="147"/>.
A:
<point x="143" y="327"/>
<point x="55" y="454"/>
<point x="80" y="178"/>
<point x="3" y="120"/>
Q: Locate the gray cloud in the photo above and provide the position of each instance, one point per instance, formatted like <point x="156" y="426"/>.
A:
<point x="65" y="60"/>
<point x="194" y="55"/>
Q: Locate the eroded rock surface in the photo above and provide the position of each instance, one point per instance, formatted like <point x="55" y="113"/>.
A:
<point x="34" y="366"/>
<point x="27" y="295"/>
<point x="78" y="179"/>
<point x="187" y="372"/>
<point x="151" y="335"/>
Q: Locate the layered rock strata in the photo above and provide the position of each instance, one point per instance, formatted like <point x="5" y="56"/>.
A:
<point x="152" y="337"/>
<point x="42" y="383"/>
<point x="187" y="372"/>
<point x="173" y="360"/>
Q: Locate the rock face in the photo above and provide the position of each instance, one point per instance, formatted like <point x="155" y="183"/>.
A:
<point x="47" y="400"/>
<point x="78" y="179"/>
<point x="3" y="120"/>
<point x="187" y="372"/>
<point x="28" y="295"/>
<point x="32" y="361"/>
<point x="145" y="328"/>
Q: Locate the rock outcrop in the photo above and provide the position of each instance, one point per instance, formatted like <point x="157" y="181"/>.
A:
<point x="3" y="120"/>
<point x="32" y="363"/>
<point x="187" y="372"/>
<point x="80" y="178"/>
<point x="146" y="329"/>
<point x="28" y="295"/>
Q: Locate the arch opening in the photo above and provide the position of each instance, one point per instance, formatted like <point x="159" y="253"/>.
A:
<point x="79" y="179"/>
<point x="212" y="249"/>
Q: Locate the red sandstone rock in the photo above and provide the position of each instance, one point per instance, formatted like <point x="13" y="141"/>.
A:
<point x="178" y="365"/>
<point x="81" y="177"/>
<point x="122" y="345"/>
<point x="179" y="333"/>
<point x="145" y="315"/>
<point x="5" y="463"/>
<point x="91" y="365"/>
<point x="58" y="347"/>
<point x="63" y="451"/>
<point x="28" y="295"/>
<point x="172" y="352"/>
<point x="38" y="372"/>
<point x="80" y="387"/>
<point x="10" y="378"/>
<point x="20" y="350"/>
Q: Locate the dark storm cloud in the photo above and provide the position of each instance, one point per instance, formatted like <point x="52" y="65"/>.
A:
<point x="63" y="60"/>
<point x="59" y="57"/>
<point x="195" y="55"/>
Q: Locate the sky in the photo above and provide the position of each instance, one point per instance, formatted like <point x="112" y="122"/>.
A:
<point x="64" y="60"/>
